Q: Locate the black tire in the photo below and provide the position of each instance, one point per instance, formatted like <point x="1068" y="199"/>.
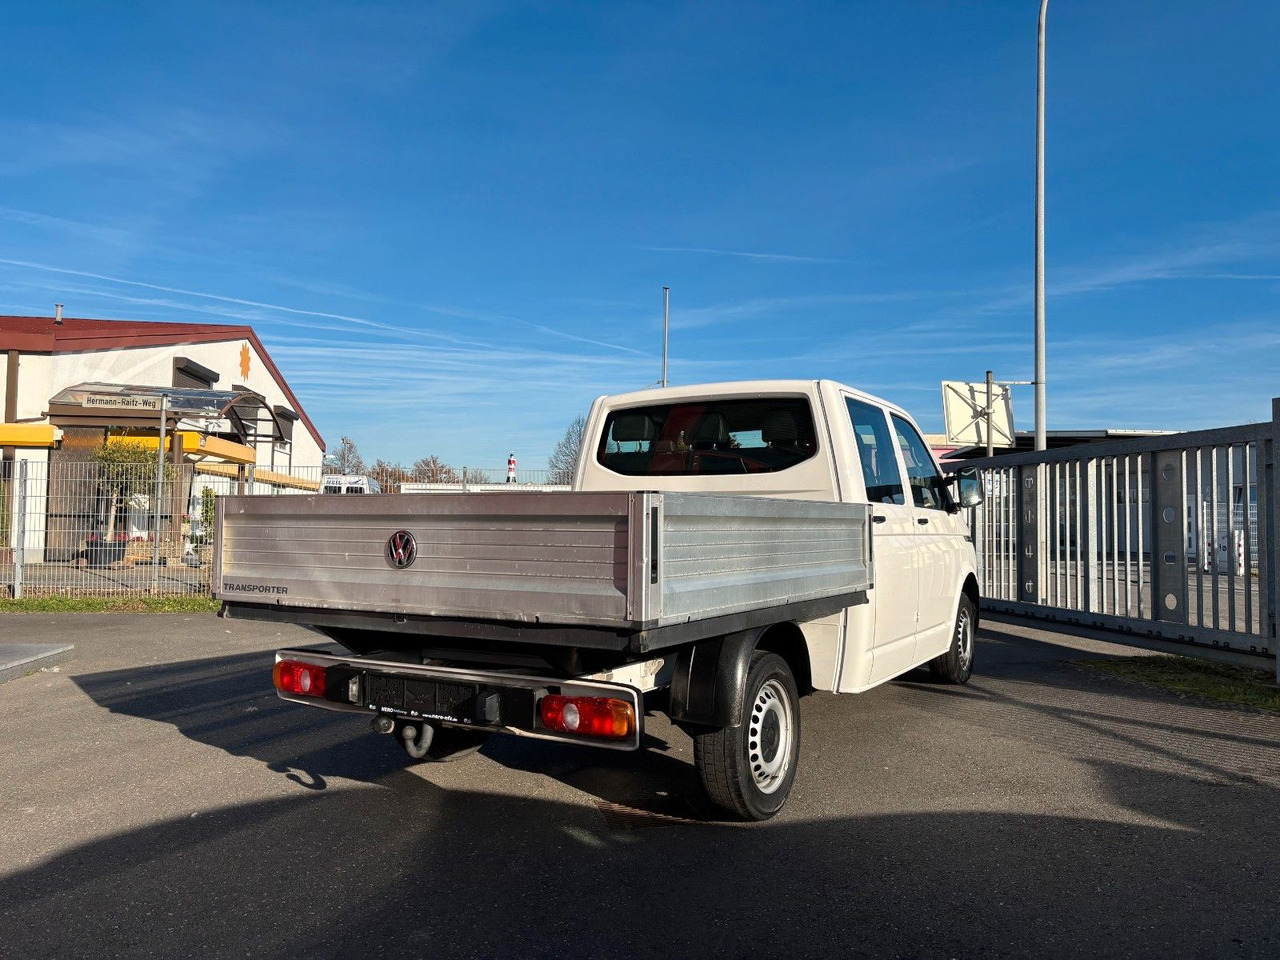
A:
<point x="449" y="743"/>
<point x="748" y="770"/>
<point x="956" y="665"/>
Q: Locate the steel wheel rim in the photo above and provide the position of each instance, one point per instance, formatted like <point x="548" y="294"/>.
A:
<point x="964" y="639"/>
<point x="770" y="732"/>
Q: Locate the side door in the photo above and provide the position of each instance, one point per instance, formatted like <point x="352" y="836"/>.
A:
<point x="939" y="534"/>
<point x="894" y="542"/>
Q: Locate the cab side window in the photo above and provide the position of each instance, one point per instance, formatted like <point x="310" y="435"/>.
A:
<point x="875" y="451"/>
<point x="926" y="482"/>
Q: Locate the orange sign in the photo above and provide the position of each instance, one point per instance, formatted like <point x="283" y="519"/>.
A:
<point x="244" y="362"/>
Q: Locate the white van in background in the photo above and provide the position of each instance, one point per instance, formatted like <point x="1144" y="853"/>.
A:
<point x="349" y="483"/>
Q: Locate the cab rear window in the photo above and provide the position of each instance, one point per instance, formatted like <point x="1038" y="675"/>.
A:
<point x="708" y="437"/>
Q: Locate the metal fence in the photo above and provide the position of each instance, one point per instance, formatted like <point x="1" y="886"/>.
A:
<point x="92" y="528"/>
<point x="1173" y="536"/>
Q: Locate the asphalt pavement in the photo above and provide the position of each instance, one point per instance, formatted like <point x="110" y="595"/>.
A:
<point x="157" y="800"/>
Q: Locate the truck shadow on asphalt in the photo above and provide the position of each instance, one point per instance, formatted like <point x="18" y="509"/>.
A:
<point x="413" y="870"/>
<point x="1029" y="692"/>
<point x="229" y="703"/>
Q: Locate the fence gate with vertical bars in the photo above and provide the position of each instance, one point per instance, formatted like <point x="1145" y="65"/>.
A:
<point x="1173" y="537"/>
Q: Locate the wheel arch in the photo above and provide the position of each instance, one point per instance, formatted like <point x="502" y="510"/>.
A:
<point x="970" y="590"/>
<point x="787" y="641"/>
<point x="710" y="676"/>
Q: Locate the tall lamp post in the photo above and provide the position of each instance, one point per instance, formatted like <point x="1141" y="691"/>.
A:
<point x="1041" y="442"/>
<point x="666" y="313"/>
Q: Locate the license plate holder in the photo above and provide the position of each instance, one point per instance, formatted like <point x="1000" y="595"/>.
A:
<point x="383" y="692"/>
<point x="439" y="699"/>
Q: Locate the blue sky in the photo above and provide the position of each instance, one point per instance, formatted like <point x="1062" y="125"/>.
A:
<point x="450" y="223"/>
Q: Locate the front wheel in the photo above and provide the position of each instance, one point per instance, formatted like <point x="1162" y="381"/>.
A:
<point x="956" y="665"/>
<point x="748" y="769"/>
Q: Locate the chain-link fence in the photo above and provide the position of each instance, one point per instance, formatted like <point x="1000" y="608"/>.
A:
<point x="100" y="528"/>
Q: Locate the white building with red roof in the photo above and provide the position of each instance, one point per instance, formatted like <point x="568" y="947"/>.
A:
<point x="69" y="386"/>
<point x="42" y="358"/>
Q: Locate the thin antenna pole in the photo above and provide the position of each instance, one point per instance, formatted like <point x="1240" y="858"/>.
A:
<point x="156" y="509"/>
<point x="1040" y="370"/>
<point x="666" y="314"/>
<point x="991" y="447"/>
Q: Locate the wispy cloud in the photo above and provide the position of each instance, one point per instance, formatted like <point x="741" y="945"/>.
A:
<point x="1233" y="276"/>
<point x="478" y="385"/>
<point x="277" y="308"/>
<point x="169" y="141"/>
<point x="749" y="255"/>
<point x="1246" y="241"/>
<point x="1188" y="379"/>
<point x="1212" y="349"/>
<point x="116" y="237"/>
<point x="781" y="307"/>
<point x="476" y="402"/>
<point x="193" y="293"/>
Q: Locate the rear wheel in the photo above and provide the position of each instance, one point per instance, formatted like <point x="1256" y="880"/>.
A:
<point x="748" y="770"/>
<point x="956" y="665"/>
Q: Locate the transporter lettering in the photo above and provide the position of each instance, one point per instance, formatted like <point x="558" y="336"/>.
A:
<point x="254" y="588"/>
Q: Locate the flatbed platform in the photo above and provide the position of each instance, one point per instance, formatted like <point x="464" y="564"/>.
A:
<point x="619" y="571"/>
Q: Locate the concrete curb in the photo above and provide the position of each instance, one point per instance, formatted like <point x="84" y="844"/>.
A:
<point x="19" y="659"/>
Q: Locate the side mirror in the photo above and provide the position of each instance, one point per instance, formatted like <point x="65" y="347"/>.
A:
<point x="969" y="487"/>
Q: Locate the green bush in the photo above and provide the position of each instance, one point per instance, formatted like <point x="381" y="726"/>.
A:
<point x="130" y="467"/>
<point x="208" y="514"/>
<point x="127" y="468"/>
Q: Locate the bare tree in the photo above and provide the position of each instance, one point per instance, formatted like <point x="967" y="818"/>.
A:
<point x="434" y="470"/>
<point x="346" y="459"/>
<point x="388" y="475"/>
<point x="564" y="458"/>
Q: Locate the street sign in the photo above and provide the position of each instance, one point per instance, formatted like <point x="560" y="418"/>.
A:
<point x="121" y="401"/>
<point x="964" y="410"/>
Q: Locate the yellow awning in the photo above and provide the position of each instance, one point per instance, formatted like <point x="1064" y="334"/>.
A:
<point x="284" y="480"/>
<point x="197" y="445"/>
<point x="259" y="476"/>
<point x="29" y="435"/>
<point x="220" y="449"/>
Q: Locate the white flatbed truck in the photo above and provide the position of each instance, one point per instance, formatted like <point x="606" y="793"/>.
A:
<point x="724" y="549"/>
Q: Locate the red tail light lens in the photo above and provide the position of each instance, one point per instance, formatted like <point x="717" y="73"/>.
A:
<point x="300" y="679"/>
<point x="589" y="716"/>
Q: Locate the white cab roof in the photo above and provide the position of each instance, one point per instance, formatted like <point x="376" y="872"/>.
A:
<point x="738" y="388"/>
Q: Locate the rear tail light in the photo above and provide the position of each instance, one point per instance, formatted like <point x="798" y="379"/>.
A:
<point x="589" y="716"/>
<point x="300" y="679"/>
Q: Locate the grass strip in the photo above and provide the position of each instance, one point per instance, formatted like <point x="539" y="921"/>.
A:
<point x="1223" y="682"/>
<point x="178" y="603"/>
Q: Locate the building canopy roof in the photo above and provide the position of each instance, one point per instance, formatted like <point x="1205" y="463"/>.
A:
<point x="249" y="411"/>
<point x="180" y="401"/>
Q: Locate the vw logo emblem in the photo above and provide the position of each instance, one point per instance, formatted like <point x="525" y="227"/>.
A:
<point x="402" y="549"/>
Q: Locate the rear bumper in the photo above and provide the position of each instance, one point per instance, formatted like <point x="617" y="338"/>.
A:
<point x="474" y="699"/>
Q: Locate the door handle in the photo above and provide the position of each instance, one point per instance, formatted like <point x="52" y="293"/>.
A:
<point x="922" y="520"/>
<point x="879" y="518"/>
